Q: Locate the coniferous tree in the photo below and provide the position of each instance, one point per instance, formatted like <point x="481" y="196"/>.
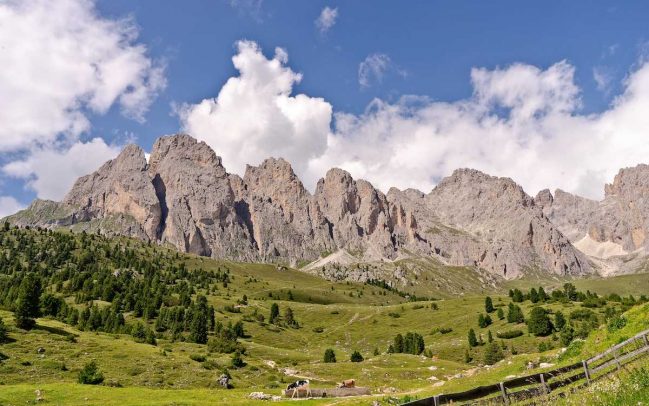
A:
<point x="198" y="328"/>
<point x="559" y="321"/>
<point x="4" y="332"/>
<point x="500" y="314"/>
<point x="27" y="305"/>
<point x="274" y="313"/>
<point x="488" y="305"/>
<point x="492" y="353"/>
<point x="356" y="357"/>
<point x="329" y="356"/>
<point x="473" y="341"/>
<point x="539" y="323"/>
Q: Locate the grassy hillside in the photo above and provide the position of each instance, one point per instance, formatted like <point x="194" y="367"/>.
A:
<point x="342" y="316"/>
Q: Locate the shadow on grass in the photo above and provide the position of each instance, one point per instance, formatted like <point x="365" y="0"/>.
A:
<point x="54" y="330"/>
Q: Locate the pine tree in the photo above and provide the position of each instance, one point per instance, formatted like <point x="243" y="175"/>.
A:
<point x="356" y="357"/>
<point x="500" y="314"/>
<point x="559" y="321"/>
<point x="534" y="296"/>
<point x="473" y="341"/>
<point x="274" y="313"/>
<point x="492" y="353"/>
<point x="4" y="332"/>
<point x="398" y="344"/>
<point x="329" y="356"/>
<point x="539" y="323"/>
<point x="198" y="327"/>
<point x="488" y="305"/>
<point x="27" y="305"/>
<point x="490" y="338"/>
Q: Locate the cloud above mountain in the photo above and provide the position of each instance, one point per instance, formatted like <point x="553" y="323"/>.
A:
<point x="63" y="64"/>
<point x="521" y="121"/>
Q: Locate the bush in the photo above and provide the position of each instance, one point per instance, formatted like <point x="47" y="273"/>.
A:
<point x="616" y="323"/>
<point x="237" y="361"/>
<point x="492" y="353"/>
<point x="198" y="357"/>
<point x="90" y="374"/>
<point x="509" y="334"/>
<point x="445" y="330"/>
<point x="356" y="357"/>
<point x="329" y="356"/>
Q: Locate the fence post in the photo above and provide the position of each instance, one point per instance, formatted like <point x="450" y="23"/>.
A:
<point x="617" y="361"/>
<point x="545" y="387"/>
<point x="585" y="364"/>
<point x="646" y="342"/>
<point x="503" y="391"/>
<point x="436" y="400"/>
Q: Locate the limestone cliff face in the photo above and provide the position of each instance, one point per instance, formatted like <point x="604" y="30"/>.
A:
<point x="120" y="186"/>
<point x="514" y="231"/>
<point x="615" y="229"/>
<point x="183" y="196"/>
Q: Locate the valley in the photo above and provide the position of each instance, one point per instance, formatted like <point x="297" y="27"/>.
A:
<point x="343" y="316"/>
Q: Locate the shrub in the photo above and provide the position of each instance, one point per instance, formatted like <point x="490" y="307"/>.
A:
<point x="90" y="374"/>
<point x="394" y="315"/>
<point x="318" y="329"/>
<point x="445" y="330"/>
<point x="237" y="361"/>
<point x="356" y="357"/>
<point x="509" y="334"/>
<point x="616" y="323"/>
<point x="492" y="353"/>
<point x="198" y="357"/>
<point x="329" y="356"/>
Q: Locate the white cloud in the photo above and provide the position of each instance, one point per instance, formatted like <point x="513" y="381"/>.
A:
<point x="522" y="122"/>
<point x="372" y="69"/>
<point x="603" y="79"/>
<point x="8" y="206"/>
<point x="326" y="19"/>
<point x="255" y="116"/>
<point x="61" y="61"/>
<point x="253" y="8"/>
<point x="51" y="172"/>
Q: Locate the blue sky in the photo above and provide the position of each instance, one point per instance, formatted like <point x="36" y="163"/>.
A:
<point x="428" y="49"/>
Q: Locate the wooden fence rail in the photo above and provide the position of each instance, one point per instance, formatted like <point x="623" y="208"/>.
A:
<point x="544" y="383"/>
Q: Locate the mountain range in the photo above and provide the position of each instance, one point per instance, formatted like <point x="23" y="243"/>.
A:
<point x="183" y="196"/>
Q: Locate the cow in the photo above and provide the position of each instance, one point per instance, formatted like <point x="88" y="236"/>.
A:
<point x="302" y="385"/>
<point x="347" y="383"/>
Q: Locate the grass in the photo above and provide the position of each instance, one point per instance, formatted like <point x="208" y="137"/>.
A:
<point x="343" y="316"/>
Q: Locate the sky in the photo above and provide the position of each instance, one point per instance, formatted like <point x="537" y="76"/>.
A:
<point x="552" y="94"/>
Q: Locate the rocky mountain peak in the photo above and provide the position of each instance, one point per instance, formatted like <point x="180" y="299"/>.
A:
<point x="185" y="197"/>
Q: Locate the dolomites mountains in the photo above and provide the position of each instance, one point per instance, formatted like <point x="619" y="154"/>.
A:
<point x="183" y="196"/>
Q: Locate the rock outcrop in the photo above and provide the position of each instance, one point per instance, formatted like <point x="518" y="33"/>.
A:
<point x="184" y="197"/>
<point x="615" y="229"/>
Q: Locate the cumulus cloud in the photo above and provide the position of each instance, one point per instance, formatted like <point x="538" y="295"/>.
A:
<point x="51" y="172"/>
<point x="61" y="61"/>
<point x="326" y="19"/>
<point x="8" y="206"/>
<point x="521" y="121"/>
<point x="255" y="116"/>
<point x="372" y="69"/>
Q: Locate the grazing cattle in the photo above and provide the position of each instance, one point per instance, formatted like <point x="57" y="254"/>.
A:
<point x="348" y="383"/>
<point x="298" y="386"/>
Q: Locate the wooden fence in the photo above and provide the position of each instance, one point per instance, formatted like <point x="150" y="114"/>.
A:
<point x="542" y="384"/>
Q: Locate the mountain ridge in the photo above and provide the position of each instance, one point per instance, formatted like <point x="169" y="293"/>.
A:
<point x="183" y="196"/>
